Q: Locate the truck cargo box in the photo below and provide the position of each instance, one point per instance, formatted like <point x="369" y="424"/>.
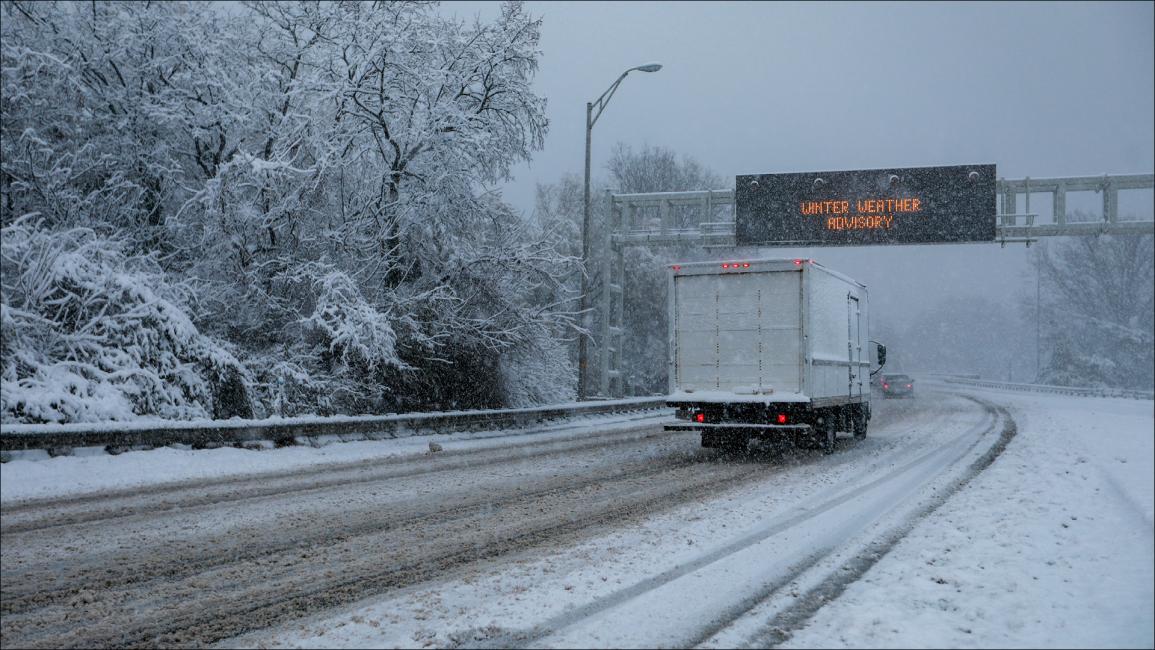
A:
<point x="788" y="335"/>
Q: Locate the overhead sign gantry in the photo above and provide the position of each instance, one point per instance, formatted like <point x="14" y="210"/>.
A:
<point x="982" y="209"/>
<point x="914" y="205"/>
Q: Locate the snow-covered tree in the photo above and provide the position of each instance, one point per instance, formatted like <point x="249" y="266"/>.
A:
<point x="559" y="209"/>
<point x="646" y="318"/>
<point x="1099" y="311"/>
<point x="964" y="334"/>
<point x="315" y="175"/>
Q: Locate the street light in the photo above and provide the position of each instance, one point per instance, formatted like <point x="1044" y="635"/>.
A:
<point x="591" y="119"/>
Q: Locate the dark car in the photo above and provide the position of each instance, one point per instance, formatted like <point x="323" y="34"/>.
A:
<point x="897" y="386"/>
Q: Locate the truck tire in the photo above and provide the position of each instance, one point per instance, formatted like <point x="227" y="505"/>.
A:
<point x="858" y="423"/>
<point x="827" y="436"/>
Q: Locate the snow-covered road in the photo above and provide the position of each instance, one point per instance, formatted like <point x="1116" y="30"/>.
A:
<point x="629" y="537"/>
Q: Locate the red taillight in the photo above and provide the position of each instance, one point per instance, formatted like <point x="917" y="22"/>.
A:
<point x="781" y="418"/>
<point x="746" y="265"/>
<point x="909" y="386"/>
<point x="798" y="262"/>
<point x="677" y="268"/>
<point x="886" y="385"/>
<point x="725" y="266"/>
<point x="701" y="417"/>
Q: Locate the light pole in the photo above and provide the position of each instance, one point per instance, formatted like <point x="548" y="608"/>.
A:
<point x="1038" y="348"/>
<point x="591" y="119"/>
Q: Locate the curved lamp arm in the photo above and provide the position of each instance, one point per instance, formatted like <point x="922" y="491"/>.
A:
<point x="601" y="102"/>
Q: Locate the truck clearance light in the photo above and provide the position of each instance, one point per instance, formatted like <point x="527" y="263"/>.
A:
<point x="700" y="417"/>
<point x="781" y="418"/>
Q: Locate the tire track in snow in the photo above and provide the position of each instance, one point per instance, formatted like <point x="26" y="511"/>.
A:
<point x="794" y="617"/>
<point x="177" y="605"/>
<point x="39" y="514"/>
<point x="648" y="597"/>
<point x="49" y="583"/>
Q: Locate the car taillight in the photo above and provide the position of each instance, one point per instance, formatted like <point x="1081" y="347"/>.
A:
<point x="909" y="386"/>
<point x="701" y="417"/>
<point x="781" y="418"/>
<point x="886" y="385"/>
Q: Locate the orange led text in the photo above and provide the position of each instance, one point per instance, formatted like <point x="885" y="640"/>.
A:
<point x="862" y="214"/>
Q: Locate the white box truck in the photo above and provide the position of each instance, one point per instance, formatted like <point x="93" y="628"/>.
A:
<point x="768" y="348"/>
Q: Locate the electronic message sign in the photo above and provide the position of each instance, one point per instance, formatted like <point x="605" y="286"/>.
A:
<point x="919" y="205"/>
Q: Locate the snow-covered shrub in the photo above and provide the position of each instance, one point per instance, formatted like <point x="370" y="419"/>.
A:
<point x="353" y="332"/>
<point x="1071" y="366"/>
<point x="91" y="334"/>
<point x="538" y="372"/>
<point x="287" y="388"/>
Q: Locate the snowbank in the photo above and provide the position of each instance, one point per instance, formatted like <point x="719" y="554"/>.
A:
<point x="1052" y="546"/>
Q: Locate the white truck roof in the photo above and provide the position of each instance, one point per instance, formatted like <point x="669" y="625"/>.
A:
<point x="756" y="264"/>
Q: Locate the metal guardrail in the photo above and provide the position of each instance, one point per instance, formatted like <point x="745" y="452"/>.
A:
<point x="127" y="435"/>
<point x="1059" y="390"/>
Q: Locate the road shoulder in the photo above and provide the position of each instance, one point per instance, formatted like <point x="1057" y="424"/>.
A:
<point x="1051" y="546"/>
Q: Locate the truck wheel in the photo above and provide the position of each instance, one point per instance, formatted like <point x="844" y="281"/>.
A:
<point x="858" y="423"/>
<point x="827" y="435"/>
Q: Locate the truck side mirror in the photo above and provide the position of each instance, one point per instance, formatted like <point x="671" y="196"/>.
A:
<point x="881" y="354"/>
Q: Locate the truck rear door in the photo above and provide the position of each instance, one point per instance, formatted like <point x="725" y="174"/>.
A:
<point x="738" y="331"/>
<point x="854" y="345"/>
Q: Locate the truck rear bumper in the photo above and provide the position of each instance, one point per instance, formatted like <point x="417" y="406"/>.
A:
<point x="736" y="426"/>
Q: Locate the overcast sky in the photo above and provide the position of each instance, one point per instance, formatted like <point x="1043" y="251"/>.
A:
<point x="1039" y="89"/>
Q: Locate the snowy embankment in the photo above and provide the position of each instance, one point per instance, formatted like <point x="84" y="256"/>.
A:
<point x="1051" y="546"/>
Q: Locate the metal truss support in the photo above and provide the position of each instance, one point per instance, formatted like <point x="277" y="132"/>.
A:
<point x="610" y="334"/>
